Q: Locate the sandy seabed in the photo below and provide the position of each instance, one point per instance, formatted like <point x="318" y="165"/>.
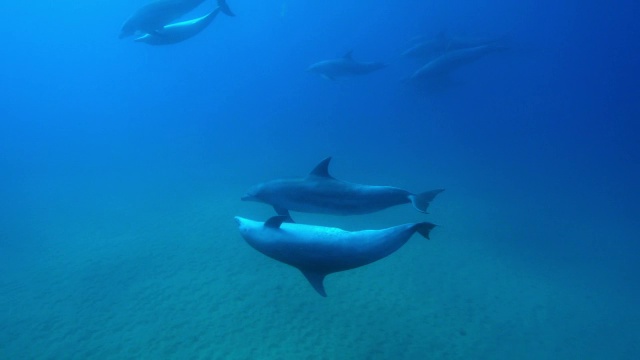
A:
<point x="184" y="285"/>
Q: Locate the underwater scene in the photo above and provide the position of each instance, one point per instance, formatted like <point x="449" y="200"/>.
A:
<point x="281" y="179"/>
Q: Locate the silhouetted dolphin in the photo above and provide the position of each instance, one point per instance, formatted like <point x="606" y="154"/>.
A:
<point x="318" y="251"/>
<point x="429" y="48"/>
<point x="174" y="33"/>
<point x="319" y="192"/>
<point x="154" y="16"/>
<point x="344" y="67"/>
<point x="443" y="65"/>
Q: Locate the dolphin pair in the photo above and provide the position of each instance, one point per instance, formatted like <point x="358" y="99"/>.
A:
<point x="319" y="192"/>
<point x="318" y="251"/>
<point x="344" y="66"/>
<point x="153" y="21"/>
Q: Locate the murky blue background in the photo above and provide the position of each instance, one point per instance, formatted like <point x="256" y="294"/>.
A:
<point x="122" y="165"/>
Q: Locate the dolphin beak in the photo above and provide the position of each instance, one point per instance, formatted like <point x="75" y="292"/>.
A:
<point x="237" y="219"/>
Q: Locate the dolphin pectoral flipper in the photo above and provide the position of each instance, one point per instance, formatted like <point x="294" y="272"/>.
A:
<point x="421" y="201"/>
<point x="283" y="212"/>
<point x="276" y="221"/>
<point x="316" y="280"/>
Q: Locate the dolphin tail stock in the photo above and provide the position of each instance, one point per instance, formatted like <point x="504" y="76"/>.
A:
<point x="222" y="5"/>
<point x="421" y="201"/>
<point x="424" y="228"/>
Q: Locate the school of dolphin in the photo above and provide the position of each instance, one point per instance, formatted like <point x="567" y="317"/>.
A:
<point x="316" y="250"/>
<point x="153" y="24"/>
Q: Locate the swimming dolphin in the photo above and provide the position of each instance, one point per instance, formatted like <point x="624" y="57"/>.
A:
<point x="177" y="32"/>
<point x="430" y="48"/>
<point x="319" y="192"/>
<point x="344" y="67"/>
<point x="318" y="251"/>
<point x="440" y="67"/>
<point x="154" y="16"/>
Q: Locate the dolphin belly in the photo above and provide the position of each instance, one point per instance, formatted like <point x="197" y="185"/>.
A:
<point x="318" y="251"/>
<point x="155" y="15"/>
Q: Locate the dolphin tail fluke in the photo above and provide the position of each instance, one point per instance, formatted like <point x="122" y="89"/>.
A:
<point x="316" y="280"/>
<point x="424" y="228"/>
<point x="222" y="5"/>
<point x="421" y="201"/>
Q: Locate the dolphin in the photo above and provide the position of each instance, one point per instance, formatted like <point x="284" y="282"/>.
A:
<point x="440" y="67"/>
<point x="344" y="67"/>
<point x="427" y="47"/>
<point x="154" y="16"/>
<point x="177" y="32"/>
<point x="319" y="192"/>
<point x="318" y="251"/>
<point x="430" y="48"/>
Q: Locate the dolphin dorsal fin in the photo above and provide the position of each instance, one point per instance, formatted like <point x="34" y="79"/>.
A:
<point x="316" y="280"/>
<point x="276" y="221"/>
<point x="348" y="55"/>
<point x="322" y="169"/>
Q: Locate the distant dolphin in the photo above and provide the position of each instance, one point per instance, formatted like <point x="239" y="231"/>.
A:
<point x="440" y="67"/>
<point x="429" y="48"/>
<point x="154" y="16"/>
<point x="177" y="32"/>
<point x="344" y="67"/>
<point x="319" y="192"/>
<point x="318" y="251"/>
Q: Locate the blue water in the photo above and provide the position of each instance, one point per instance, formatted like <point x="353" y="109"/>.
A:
<point x="122" y="166"/>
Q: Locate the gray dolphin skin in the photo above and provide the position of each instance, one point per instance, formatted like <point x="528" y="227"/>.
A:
<point x="318" y="251"/>
<point x="177" y="32"/>
<point x="319" y="192"/>
<point x="443" y="65"/>
<point x="154" y="16"/>
<point x="344" y="67"/>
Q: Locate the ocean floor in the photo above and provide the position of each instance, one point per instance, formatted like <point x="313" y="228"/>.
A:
<point x="180" y="283"/>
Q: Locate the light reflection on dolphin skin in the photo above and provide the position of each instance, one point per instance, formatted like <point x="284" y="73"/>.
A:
<point x="319" y="192"/>
<point x="318" y="251"/>
<point x="154" y="16"/>
<point x="178" y="32"/>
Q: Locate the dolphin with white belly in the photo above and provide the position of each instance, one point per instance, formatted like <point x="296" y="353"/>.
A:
<point x="319" y="192"/>
<point x="154" y="16"/>
<point x="318" y="251"/>
<point x="177" y="32"/>
<point x="345" y="66"/>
